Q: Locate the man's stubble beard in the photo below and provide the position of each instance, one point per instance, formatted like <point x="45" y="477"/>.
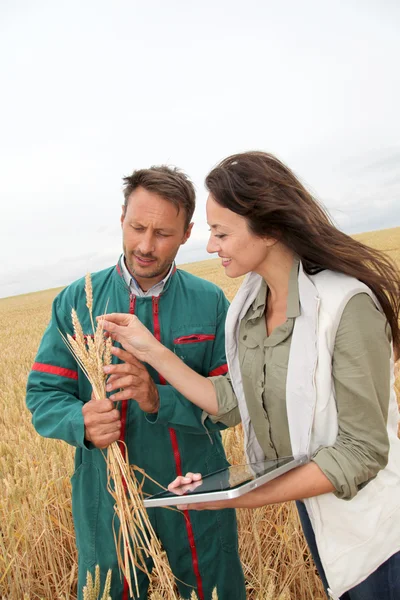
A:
<point x="158" y="270"/>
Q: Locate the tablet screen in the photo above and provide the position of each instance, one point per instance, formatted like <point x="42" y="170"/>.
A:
<point x="227" y="479"/>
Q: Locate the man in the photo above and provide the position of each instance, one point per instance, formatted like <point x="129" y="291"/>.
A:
<point x="164" y="433"/>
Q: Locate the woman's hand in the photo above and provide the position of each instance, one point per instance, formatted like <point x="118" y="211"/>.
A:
<point x="130" y="333"/>
<point x="189" y="483"/>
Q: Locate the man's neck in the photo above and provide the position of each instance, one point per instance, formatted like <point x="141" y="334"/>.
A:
<point x="144" y="284"/>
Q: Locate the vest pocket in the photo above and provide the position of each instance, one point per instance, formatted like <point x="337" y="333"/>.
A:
<point x="85" y="508"/>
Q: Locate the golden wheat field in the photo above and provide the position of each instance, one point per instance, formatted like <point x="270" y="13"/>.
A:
<point x="37" y="550"/>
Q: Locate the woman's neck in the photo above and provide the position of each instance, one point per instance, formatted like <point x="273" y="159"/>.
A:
<point x="275" y="270"/>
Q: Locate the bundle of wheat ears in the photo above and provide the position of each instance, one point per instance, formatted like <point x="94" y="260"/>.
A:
<point x="136" y="540"/>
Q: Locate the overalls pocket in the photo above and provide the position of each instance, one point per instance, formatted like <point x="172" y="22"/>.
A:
<point x="193" y="345"/>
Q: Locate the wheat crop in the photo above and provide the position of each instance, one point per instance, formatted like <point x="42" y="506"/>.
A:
<point x="37" y="542"/>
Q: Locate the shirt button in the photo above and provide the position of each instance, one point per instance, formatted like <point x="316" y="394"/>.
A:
<point x="245" y="337"/>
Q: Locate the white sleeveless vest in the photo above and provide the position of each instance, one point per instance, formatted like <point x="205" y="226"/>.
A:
<point x="354" y="537"/>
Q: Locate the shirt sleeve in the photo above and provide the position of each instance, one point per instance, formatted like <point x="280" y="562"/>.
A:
<point x="228" y="410"/>
<point x="361" y="375"/>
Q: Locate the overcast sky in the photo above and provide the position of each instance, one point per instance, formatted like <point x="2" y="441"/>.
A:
<point x="92" y="90"/>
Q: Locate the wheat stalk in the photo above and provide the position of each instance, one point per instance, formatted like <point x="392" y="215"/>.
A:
<point x="136" y="535"/>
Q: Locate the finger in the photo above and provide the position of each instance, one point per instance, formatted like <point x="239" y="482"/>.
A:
<point x="106" y="440"/>
<point x="128" y="391"/>
<point x="125" y="394"/>
<point x="194" y="476"/>
<point x="123" y="319"/>
<point x="184" y="489"/>
<point x="113" y="378"/>
<point x="195" y="506"/>
<point x="177" y="482"/>
<point x="127" y="357"/>
<point x="198" y="506"/>
<point x="187" y="479"/>
<point x="95" y="419"/>
<point x="119" y="325"/>
<point x="99" y="430"/>
<point x="112" y="428"/>
<point x="124" y="382"/>
<point x="122" y="368"/>
<point x="194" y="485"/>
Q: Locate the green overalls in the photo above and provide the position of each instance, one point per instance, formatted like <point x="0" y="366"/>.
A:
<point x="188" y="317"/>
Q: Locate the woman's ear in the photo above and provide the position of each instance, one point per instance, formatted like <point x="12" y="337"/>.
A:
<point x="271" y="241"/>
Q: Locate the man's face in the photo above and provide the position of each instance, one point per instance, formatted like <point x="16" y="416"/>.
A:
<point x="152" y="232"/>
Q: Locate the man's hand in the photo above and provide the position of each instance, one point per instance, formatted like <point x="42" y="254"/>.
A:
<point x="134" y="380"/>
<point x="102" y="422"/>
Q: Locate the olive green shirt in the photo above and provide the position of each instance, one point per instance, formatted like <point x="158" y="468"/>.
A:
<point x="360" y="370"/>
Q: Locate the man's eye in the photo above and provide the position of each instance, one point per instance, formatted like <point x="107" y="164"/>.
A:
<point x="220" y="235"/>
<point x="163" y="234"/>
<point x="137" y="228"/>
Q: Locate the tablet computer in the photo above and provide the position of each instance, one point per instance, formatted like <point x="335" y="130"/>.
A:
<point x="226" y="483"/>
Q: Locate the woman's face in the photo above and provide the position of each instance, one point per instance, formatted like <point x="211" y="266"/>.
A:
<point x="240" y="250"/>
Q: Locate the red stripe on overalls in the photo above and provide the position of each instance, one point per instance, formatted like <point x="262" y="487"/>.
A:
<point x="178" y="466"/>
<point x="124" y="410"/>
<point x="219" y="371"/>
<point x="53" y="370"/>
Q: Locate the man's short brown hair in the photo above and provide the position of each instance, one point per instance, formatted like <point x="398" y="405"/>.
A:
<point x="169" y="183"/>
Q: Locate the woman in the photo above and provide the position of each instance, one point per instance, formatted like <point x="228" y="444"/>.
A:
<point x="309" y="343"/>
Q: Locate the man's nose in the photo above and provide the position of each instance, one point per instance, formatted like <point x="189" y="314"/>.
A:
<point x="147" y="245"/>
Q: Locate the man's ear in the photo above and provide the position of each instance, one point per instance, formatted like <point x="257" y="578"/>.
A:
<point x="187" y="233"/>
<point x="123" y="213"/>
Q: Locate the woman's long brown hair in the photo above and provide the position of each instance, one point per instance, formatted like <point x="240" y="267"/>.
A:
<point x="259" y="187"/>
